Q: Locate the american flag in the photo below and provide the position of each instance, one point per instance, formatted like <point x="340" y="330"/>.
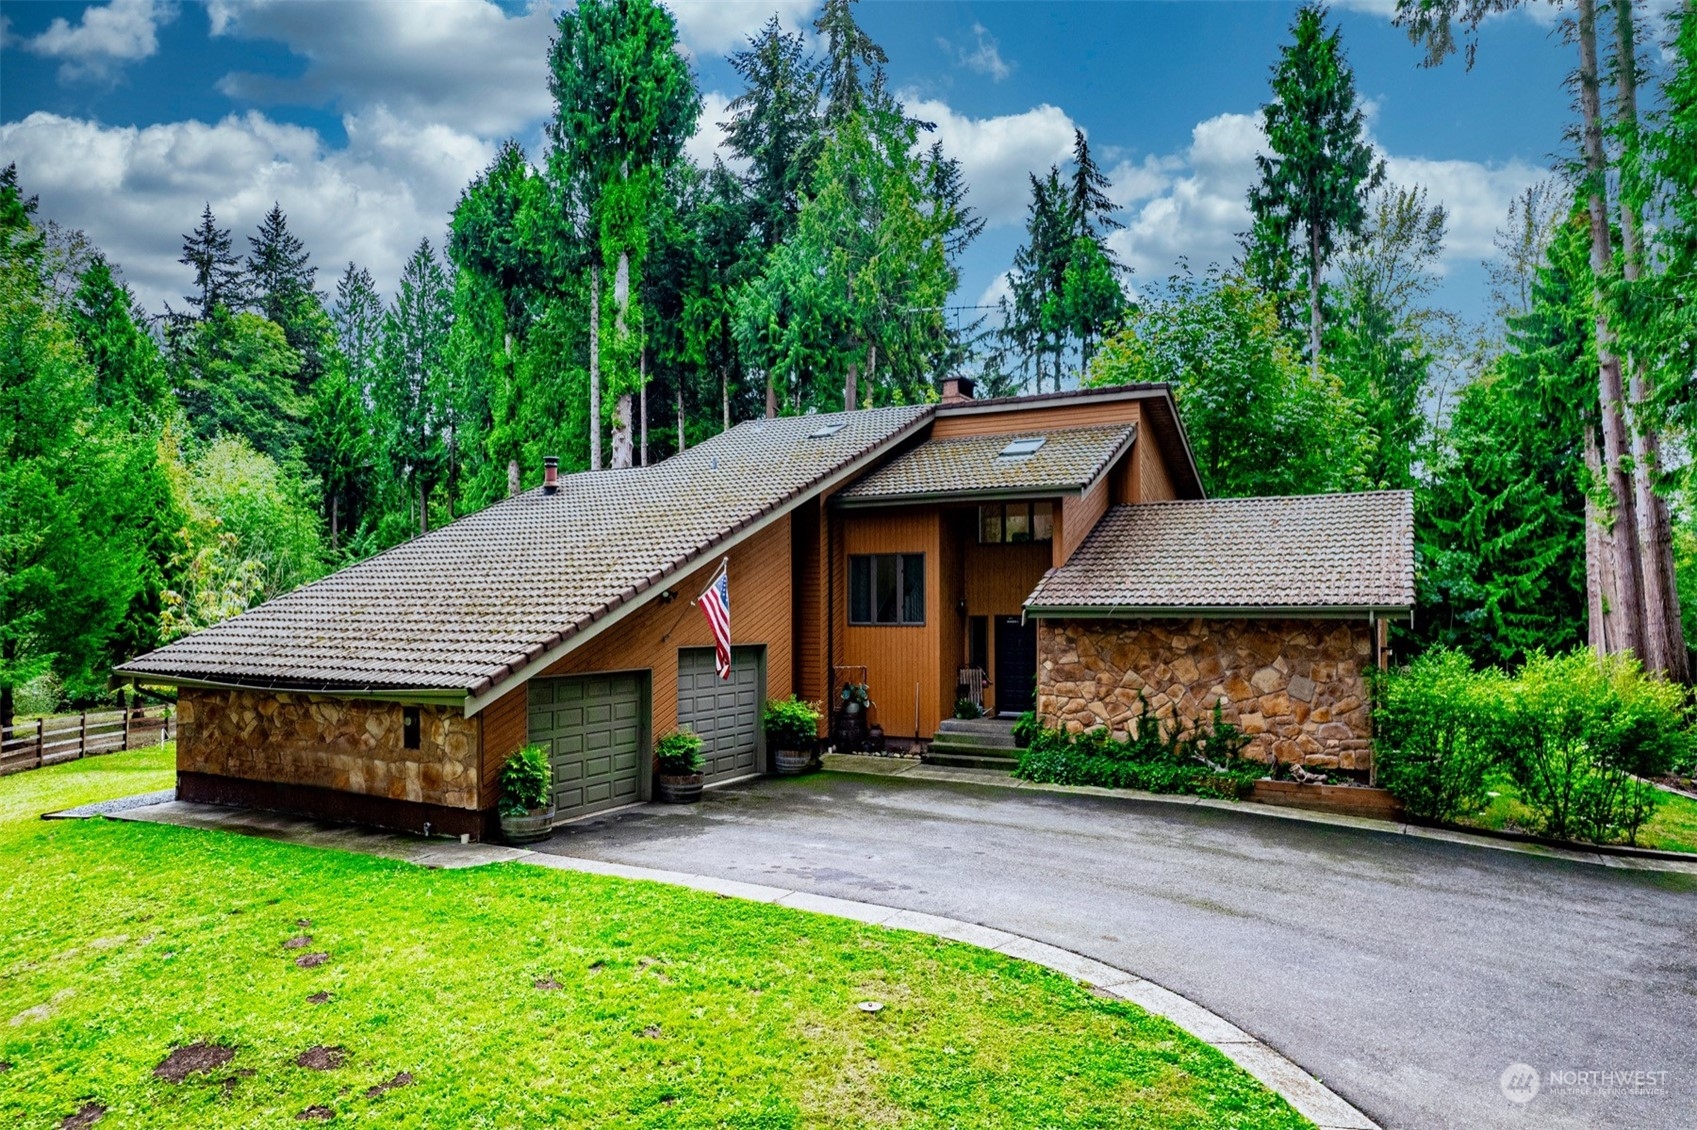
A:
<point x="716" y="606"/>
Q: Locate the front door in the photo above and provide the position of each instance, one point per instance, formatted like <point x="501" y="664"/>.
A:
<point x="1016" y="665"/>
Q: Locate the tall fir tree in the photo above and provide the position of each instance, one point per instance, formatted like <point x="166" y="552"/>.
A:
<point x="409" y="396"/>
<point x="217" y="269"/>
<point x="356" y="320"/>
<point x="1314" y="184"/>
<point x="775" y="127"/>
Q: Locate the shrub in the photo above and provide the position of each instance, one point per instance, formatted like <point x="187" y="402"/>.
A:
<point x="1025" y="728"/>
<point x="790" y="723"/>
<point x="1430" y="740"/>
<point x="527" y="782"/>
<point x="678" y="754"/>
<point x="1157" y="758"/>
<point x="1579" y="733"/>
<point x="966" y="708"/>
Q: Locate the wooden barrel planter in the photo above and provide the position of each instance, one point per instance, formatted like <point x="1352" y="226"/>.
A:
<point x="681" y="790"/>
<point x="1346" y="800"/>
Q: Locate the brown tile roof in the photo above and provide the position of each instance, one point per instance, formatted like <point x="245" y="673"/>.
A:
<point x="1069" y="459"/>
<point x="1340" y="551"/>
<point x="467" y="605"/>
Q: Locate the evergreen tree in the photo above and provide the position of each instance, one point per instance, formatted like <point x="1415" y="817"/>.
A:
<point x="235" y="375"/>
<point x="409" y="393"/>
<point x="1500" y="527"/>
<point x="625" y="102"/>
<point x="1313" y="188"/>
<point x="338" y="449"/>
<point x="108" y="322"/>
<point x="217" y="270"/>
<point x="848" y="52"/>
<point x="356" y="319"/>
<point x="1092" y="211"/>
<point x="279" y="272"/>
<point x="1035" y="318"/>
<point x="775" y="126"/>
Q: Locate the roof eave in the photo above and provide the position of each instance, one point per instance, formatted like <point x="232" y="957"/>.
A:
<point x="424" y="695"/>
<point x="1213" y="611"/>
<point x="1011" y="494"/>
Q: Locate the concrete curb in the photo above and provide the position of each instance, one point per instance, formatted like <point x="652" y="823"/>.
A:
<point x="1307" y="1095"/>
<point x="857" y="765"/>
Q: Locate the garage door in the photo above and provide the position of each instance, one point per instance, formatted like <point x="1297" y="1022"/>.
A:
<point x="592" y="727"/>
<point x="725" y="713"/>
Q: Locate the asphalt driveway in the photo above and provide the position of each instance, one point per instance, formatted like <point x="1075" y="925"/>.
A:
<point x="1408" y="974"/>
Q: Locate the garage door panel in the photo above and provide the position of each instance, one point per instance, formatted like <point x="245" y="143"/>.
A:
<point x="725" y="714"/>
<point x="592" y="728"/>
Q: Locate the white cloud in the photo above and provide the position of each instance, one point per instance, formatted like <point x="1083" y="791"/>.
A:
<point x="998" y="154"/>
<point x="468" y="64"/>
<point x="1476" y="197"/>
<point x="136" y="190"/>
<point x="122" y="31"/>
<point x="1000" y="287"/>
<point x="717" y="27"/>
<point x="709" y="137"/>
<point x="984" y="55"/>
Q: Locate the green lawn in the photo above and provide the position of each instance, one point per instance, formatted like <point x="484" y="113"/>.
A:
<point x="1672" y="828"/>
<point x="657" y="1006"/>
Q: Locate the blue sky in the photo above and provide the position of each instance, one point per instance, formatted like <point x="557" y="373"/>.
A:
<point x="365" y="119"/>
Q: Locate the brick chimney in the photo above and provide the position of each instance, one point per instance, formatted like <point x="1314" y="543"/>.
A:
<point x="957" y="390"/>
<point x="550" y="474"/>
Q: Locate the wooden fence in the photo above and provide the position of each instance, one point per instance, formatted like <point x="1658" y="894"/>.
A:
<point x="48" y="741"/>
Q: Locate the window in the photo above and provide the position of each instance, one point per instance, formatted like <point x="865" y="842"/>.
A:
<point x="409" y="726"/>
<point x="824" y="431"/>
<point x="1016" y="521"/>
<point x="887" y="588"/>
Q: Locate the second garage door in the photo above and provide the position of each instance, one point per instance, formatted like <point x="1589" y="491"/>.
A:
<point x="592" y="728"/>
<point x="726" y="713"/>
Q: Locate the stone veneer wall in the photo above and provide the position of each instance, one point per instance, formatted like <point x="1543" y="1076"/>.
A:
<point x="1295" y="686"/>
<point x="334" y="743"/>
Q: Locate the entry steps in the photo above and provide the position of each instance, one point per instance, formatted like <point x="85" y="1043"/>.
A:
<point x="974" y="743"/>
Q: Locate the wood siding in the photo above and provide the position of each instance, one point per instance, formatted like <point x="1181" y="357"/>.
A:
<point x="1079" y="516"/>
<point x="998" y="579"/>
<point x="898" y="658"/>
<point x="1062" y="415"/>
<point x="648" y="640"/>
<point x="1154" y="484"/>
<point x="811" y="676"/>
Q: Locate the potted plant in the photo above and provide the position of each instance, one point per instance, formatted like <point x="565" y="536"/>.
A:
<point x="678" y="762"/>
<point x="527" y="796"/>
<point x="791" y="725"/>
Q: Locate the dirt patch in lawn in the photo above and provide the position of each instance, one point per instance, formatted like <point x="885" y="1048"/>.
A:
<point x="320" y="1058"/>
<point x="315" y="1114"/>
<point x="320" y="997"/>
<point x="298" y="942"/>
<point x="547" y="984"/>
<point x="185" y="1061"/>
<point x="87" y="1116"/>
<point x="401" y="1079"/>
<point x="311" y="960"/>
<point x="652" y="1032"/>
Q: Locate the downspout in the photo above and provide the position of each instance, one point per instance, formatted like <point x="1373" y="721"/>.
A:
<point x="826" y="516"/>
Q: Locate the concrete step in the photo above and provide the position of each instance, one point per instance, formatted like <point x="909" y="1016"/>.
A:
<point x="976" y="726"/>
<point x="966" y="760"/>
<point x="970" y="740"/>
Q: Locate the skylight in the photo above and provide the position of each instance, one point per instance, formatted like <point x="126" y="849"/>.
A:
<point x="1021" y="448"/>
<point x="824" y="430"/>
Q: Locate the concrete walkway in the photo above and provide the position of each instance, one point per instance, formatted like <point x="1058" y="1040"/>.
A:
<point x="1310" y="1097"/>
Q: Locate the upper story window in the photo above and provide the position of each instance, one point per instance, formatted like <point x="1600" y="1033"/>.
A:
<point x="887" y="588"/>
<point x="1000" y="522"/>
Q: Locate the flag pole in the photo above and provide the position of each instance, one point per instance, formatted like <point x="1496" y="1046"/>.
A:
<point x="724" y="564"/>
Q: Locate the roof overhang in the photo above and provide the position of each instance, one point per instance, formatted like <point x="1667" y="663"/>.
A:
<point x="441" y="696"/>
<point x="493" y="687"/>
<point x="1216" y="611"/>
